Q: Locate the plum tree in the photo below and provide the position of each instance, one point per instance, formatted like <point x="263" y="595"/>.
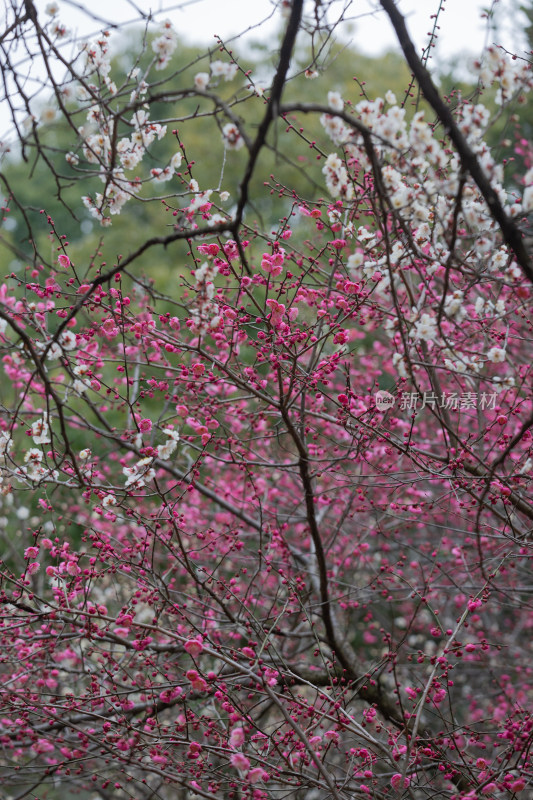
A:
<point x="266" y="521"/>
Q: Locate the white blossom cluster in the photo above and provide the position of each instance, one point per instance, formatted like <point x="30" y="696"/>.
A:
<point x="511" y="76"/>
<point x="204" y="314"/>
<point x="6" y="443"/>
<point x="98" y="60"/>
<point x="66" y="342"/>
<point x="34" y="469"/>
<point x="223" y="69"/>
<point x="337" y="181"/>
<point x="219" y="69"/>
<point x="139" y="474"/>
<point x="527" y="197"/>
<point x="421" y="179"/>
<point x="40" y="431"/>
<point x="81" y="382"/>
<point x="165" y="44"/>
<point x="165" y="450"/>
<point x="116" y="156"/>
<point x="129" y="151"/>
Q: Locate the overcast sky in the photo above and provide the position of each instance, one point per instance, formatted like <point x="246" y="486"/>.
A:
<point x="462" y="30"/>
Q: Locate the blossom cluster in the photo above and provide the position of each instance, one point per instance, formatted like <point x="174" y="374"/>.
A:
<point x="103" y="148"/>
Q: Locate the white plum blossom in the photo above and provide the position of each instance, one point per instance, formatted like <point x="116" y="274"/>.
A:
<point x="496" y="355"/>
<point x="511" y="75"/>
<point x="355" y="260"/>
<point x="48" y="114"/>
<point x="162" y="175"/>
<point x="425" y="329"/>
<point x="474" y="120"/>
<point x="175" y="161"/>
<point x="400" y="198"/>
<point x="68" y="341"/>
<point x="337" y="179"/>
<point x="80" y="385"/>
<point x="335" y="101"/>
<point x="96" y="148"/>
<point x="391" y="177"/>
<point x="139" y="474"/>
<point x="480" y="306"/>
<point x="165" y="44"/>
<point x="129" y="153"/>
<point x="97" y="57"/>
<point x="218" y="68"/>
<point x="33" y="454"/>
<point x="201" y="81"/>
<point x="338" y="132"/>
<point x="59" y="30"/>
<point x="391" y="126"/>
<point x="221" y="69"/>
<point x="232" y="136"/>
<point x="53" y="350"/>
<point x="40" y="431"/>
<point x="501" y="384"/>
<point x="365" y="236"/>
<point x="499" y="260"/>
<point x="6" y="442"/>
<point x="369" y="111"/>
<point x="164" y="451"/>
<point x="527" y="199"/>
<point x="460" y="363"/>
<point x="400" y="363"/>
<point x="203" y="272"/>
<point x="35" y="470"/>
<point x="454" y="306"/>
<point x="487" y="308"/>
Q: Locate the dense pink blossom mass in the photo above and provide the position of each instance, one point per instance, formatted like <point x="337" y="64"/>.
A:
<point x="266" y="502"/>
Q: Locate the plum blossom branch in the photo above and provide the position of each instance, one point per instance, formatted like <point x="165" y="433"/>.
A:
<point x="511" y="232"/>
